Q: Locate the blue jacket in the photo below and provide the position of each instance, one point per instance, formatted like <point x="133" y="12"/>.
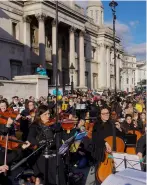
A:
<point x="41" y="71"/>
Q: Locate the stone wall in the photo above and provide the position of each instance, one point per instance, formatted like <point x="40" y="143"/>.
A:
<point x="25" y="86"/>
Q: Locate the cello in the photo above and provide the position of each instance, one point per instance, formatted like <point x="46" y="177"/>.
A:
<point x="106" y="167"/>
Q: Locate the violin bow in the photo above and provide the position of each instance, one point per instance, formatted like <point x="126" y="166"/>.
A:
<point x="6" y="152"/>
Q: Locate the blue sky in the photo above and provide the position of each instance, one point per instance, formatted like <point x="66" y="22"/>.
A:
<point x="130" y="26"/>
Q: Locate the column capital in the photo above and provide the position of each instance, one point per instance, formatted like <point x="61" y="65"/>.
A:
<point x="41" y="16"/>
<point x="103" y="45"/>
<point x="108" y="47"/>
<point x="72" y="29"/>
<point x="82" y="33"/>
<point x="26" y="19"/>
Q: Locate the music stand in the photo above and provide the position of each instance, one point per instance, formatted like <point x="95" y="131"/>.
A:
<point x="124" y="160"/>
<point x="130" y="140"/>
<point x="80" y="110"/>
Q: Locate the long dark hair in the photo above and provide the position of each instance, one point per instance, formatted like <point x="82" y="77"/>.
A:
<point x="4" y="101"/>
<point x="41" y="109"/>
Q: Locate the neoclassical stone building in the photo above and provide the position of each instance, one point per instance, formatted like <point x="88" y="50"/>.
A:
<point x="28" y="38"/>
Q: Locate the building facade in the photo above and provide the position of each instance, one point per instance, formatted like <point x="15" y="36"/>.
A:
<point x="28" y="38"/>
<point x="128" y="73"/>
<point x="141" y="72"/>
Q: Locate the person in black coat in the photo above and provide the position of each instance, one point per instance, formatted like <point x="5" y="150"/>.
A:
<point x="40" y="132"/>
<point x="26" y="119"/>
<point x="102" y="129"/>
<point x="141" y="149"/>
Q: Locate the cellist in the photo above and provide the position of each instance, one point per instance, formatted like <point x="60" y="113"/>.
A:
<point x="102" y="129"/>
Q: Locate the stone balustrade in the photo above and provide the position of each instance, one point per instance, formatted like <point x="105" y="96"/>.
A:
<point x="25" y="86"/>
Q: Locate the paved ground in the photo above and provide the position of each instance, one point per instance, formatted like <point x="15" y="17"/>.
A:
<point x="89" y="175"/>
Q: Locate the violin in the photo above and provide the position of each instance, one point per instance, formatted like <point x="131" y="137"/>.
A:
<point x="68" y="125"/>
<point x="8" y="114"/>
<point x="51" y="121"/>
<point x="11" y="145"/>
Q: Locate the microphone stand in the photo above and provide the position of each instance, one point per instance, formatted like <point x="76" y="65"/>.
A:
<point x="25" y="159"/>
<point x="47" y="153"/>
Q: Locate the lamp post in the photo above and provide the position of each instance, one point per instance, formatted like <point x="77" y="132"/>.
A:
<point x="113" y="4"/>
<point x="72" y="68"/>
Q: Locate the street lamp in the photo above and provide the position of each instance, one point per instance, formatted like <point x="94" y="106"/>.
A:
<point x="72" y="69"/>
<point x="113" y="4"/>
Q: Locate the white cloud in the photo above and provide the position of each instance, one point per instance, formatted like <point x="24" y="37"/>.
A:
<point x="123" y="31"/>
<point x="137" y="49"/>
<point x="133" y="23"/>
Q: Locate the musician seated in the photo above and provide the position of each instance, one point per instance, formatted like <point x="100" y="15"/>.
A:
<point x="15" y="104"/>
<point x="141" y="122"/>
<point x="70" y="108"/>
<point x="129" y="124"/>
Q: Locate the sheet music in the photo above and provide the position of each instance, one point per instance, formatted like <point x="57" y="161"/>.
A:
<point x="132" y="161"/>
<point x="80" y="106"/>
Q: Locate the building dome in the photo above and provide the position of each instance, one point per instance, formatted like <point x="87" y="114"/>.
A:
<point x="96" y="3"/>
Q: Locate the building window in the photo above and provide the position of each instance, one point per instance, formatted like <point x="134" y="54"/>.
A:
<point x="91" y="13"/>
<point x="14" y="29"/>
<point x="86" y="79"/>
<point x="127" y="81"/>
<point x="97" y="16"/>
<point x="93" y="53"/>
<point x="15" y="68"/>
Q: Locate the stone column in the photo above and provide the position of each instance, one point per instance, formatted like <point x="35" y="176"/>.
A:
<point x="41" y="18"/>
<point x="54" y="50"/>
<point x="71" y="4"/>
<point x="72" y="50"/>
<point x="117" y="72"/>
<point x="60" y="64"/>
<point x="27" y="45"/>
<point x="108" y="65"/>
<point x="103" y="68"/>
<point x="81" y="61"/>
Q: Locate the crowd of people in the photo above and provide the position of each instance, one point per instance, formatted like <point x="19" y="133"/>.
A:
<point x="27" y="124"/>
